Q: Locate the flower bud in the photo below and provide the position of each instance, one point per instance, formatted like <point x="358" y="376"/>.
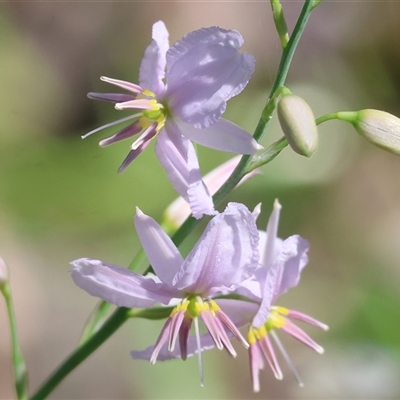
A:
<point x="3" y="272"/>
<point x="380" y="128"/>
<point x="298" y="124"/>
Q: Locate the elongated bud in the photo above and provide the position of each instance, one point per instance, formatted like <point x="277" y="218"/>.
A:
<point x="298" y="124"/>
<point x="379" y="127"/>
<point x="3" y="272"/>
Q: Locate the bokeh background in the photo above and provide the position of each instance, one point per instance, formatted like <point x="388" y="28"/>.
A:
<point x="61" y="198"/>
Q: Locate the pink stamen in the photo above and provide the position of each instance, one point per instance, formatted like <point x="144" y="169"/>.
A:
<point x="140" y="104"/>
<point x="132" y="87"/>
<point x="300" y="335"/>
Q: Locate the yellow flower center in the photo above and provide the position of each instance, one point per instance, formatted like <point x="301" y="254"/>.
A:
<point x="276" y="320"/>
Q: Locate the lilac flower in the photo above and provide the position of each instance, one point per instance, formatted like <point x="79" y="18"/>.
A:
<point x="282" y="262"/>
<point x="224" y="257"/>
<point x="181" y="95"/>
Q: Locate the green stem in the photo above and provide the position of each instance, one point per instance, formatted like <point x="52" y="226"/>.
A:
<point x="121" y="315"/>
<point x="348" y="116"/>
<point x="19" y="367"/>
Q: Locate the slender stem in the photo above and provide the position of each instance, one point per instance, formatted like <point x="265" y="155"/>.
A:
<point x="19" y="367"/>
<point x="121" y="314"/>
<point x="348" y="116"/>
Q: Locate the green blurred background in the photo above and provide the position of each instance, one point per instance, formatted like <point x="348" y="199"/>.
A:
<point x="61" y="198"/>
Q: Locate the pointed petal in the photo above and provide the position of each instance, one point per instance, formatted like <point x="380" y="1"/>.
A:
<point x="110" y="97"/>
<point x="127" y="132"/>
<point x="223" y="135"/>
<point x="267" y="295"/>
<point x="178" y="157"/>
<point x="268" y="252"/>
<point x="152" y="67"/>
<point x="224" y="256"/>
<point x="118" y="285"/>
<point x="283" y="274"/>
<point x="161" y="251"/>
<point x="204" y="70"/>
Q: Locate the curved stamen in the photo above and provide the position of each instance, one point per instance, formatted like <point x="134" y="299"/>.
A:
<point x="119" y="121"/>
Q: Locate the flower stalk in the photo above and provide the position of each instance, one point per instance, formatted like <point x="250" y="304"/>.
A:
<point x="18" y="362"/>
<point x="122" y="314"/>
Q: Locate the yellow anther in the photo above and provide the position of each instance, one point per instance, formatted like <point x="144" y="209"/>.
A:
<point x="182" y="306"/>
<point x="275" y="320"/>
<point x="281" y="310"/>
<point x="251" y="337"/>
<point x="148" y="93"/>
<point x="214" y="306"/>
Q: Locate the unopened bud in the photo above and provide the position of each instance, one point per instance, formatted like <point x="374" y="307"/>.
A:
<point x="379" y="127"/>
<point x="3" y="272"/>
<point x="298" y="124"/>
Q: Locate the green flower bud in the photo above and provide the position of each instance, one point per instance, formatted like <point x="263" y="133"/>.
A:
<point x="298" y="124"/>
<point x="380" y="128"/>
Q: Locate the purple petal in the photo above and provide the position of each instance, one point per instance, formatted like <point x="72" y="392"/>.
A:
<point x="225" y="255"/>
<point x="110" y="97"/>
<point x="204" y="70"/>
<point x="267" y="295"/>
<point x="152" y="67"/>
<point x="269" y="241"/>
<point x="118" y="285"/>
<point x="161" y="251"/>
<point x="293" y="259"/>
<point x="127" y="132"/>
<point x="283" y="274"/>
<point x="178" y="157"/>
<point x="223" y="135"/>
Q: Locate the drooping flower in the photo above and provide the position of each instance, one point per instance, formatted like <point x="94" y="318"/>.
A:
<point x="225" y="256"/>
<point x="280" y="265"/>
<point x="181" y="95"/>
<point x="282" y="262"/>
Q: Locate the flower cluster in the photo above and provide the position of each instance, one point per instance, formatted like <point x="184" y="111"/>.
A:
<point x="234" y="274"/>
<point x="231" y="258"/>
